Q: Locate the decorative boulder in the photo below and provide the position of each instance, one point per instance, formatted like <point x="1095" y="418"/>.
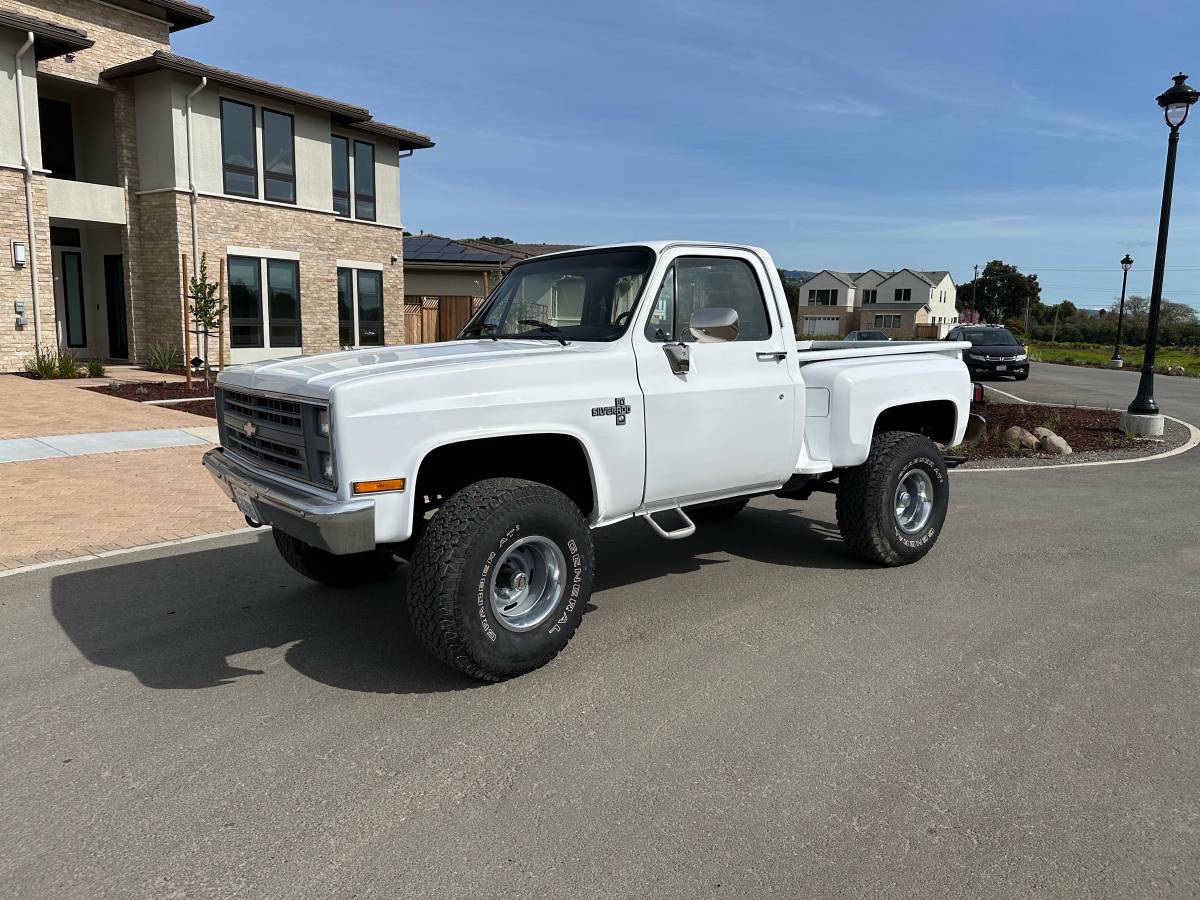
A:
<point x="1017" y="437"/>
<point x="1051" y="442"/>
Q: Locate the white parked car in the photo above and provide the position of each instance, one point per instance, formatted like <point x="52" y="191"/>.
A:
<point x="661" y="381"/>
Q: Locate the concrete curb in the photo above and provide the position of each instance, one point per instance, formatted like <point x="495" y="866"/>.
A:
<point x="92" y="557"/>
<point x="1192" y="441"/>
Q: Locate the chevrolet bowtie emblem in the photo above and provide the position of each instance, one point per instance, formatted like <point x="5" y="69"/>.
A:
<point x="249" y="429"/>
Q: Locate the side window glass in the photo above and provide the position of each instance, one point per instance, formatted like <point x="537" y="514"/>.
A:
<point x="660" y="326"/>
<point x="708" y="281"/>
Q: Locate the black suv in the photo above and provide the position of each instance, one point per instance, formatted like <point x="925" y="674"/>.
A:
<point x="994" y="351"/>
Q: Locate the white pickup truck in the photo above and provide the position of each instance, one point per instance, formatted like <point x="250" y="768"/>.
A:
<point x="661" y="380"/>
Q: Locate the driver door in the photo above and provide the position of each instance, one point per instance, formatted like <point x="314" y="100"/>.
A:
<point x="726" y="424"/>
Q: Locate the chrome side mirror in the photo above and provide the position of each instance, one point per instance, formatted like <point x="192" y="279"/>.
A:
<point x="714" y="324"/>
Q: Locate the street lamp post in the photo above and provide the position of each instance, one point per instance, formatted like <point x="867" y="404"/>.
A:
<point x="1126" y="265"/>
<point x="1143" y="416"/>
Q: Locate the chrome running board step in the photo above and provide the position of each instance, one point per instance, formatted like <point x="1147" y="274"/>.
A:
<point x="677" y="534"/>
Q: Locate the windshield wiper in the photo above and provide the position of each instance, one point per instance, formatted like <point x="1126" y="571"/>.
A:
<point x="483" y="329"/>
<point x="551" y="330"/>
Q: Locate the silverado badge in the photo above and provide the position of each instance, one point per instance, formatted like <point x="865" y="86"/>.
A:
<point x="249" y="429"/>
<point x="619" y="409"/>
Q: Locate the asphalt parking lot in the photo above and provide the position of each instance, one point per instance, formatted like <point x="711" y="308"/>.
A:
<point x="749" y="712"/>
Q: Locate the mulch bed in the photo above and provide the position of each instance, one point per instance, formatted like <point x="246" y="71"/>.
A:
<point x="1084" y="429"/>
<point x="165" y="390"/>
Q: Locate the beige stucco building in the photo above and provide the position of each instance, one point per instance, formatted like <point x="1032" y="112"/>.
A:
<point x="118" y="157"/>
<point x="834" y="303"/>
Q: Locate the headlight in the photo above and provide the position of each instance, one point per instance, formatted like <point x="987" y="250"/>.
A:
<point x="1021" y="357"/>
<point x="323" y="422"/>
<point x="977" y="355"/>
<point x="325" y="461"/>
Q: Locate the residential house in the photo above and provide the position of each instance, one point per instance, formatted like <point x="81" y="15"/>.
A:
<point x="446" y="280"/>
<point x="905" y="303"/>
<point x="119" y="157"/>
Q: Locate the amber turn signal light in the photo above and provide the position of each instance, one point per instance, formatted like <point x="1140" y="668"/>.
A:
<point x="375" y="487"/>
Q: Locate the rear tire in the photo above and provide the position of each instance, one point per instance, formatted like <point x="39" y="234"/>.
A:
<point x="501" y="577"/>
<point x="350" y="570"/>
<point x="717" y="512"/>
<point x="890" y="510"/>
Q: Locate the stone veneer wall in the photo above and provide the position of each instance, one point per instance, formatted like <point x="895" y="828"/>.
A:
<point x="320" y="239"/>
<point x="17" y="344"/>
<point x="120" y="35"/>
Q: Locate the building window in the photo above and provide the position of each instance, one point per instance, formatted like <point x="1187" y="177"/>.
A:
<point x="822" y="297"/>
<point x="283" y="289"/>
<point x="245" y="302"/>
<point x="247" y="275"/>
<point x="279" y="156"/>
<point x="870" y="296"/>
<point x="360" y="307"/>
<point x="58" y="138"/>
<point x="887" y="321"/>
<point x="238" y="150"/>
<point x="364" y="181"/>
<point x="340" y="151"/>
<point x="903" y="295"/>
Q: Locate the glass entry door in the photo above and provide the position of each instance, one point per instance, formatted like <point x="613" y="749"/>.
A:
<point x="68" y="296"/>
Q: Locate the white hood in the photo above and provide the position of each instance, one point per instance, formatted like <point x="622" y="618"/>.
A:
<point x="315" y="376"/>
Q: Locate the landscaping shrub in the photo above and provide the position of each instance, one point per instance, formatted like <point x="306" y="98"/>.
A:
<point x="68" y="366"/>
<point x="95" y="368"/>
<point x="44" y="363"/>
<point x="164" y="357"/>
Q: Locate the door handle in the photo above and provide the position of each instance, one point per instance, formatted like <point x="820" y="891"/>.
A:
<point x="772" y="356"/>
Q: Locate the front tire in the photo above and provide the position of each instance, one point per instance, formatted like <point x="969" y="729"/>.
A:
<point x="501" y="577"/>
<point x="350" y="570"/>
<point x="890" y="510"/>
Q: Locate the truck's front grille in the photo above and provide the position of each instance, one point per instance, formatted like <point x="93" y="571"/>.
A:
<point x="274" y="433"/>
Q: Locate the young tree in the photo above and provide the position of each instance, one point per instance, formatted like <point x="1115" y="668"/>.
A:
<point x="207" y="309"/>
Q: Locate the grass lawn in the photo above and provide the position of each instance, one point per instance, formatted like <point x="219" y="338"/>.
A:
<point x="1099" y="355"/>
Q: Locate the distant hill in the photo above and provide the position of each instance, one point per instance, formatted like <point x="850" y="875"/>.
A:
<point x="797" y="275"/>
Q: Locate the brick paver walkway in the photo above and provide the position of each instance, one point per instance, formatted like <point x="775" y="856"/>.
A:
<point x="81" y="505"/>
<point x="30" y="408"/>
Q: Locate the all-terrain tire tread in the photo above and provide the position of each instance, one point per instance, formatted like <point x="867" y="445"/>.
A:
<point x="437" y="565"/>
<point x="859" y="504"/>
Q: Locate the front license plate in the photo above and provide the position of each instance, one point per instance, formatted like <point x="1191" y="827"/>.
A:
<point x="244" y="503"/>
<point x="1001" y="368"/>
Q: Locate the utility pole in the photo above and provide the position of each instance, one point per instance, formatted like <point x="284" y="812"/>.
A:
<point x="1054" y="332"/>
<point x="975" y="290"/>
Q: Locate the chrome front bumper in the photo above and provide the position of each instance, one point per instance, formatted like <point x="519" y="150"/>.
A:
<point x="337" y="526"/>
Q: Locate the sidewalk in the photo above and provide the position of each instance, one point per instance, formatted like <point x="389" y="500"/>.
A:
<point x="38" y="408"/>
<point x="82" y="481"/>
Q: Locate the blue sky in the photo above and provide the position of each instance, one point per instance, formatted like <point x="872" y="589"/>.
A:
<point x="845" y="136"/>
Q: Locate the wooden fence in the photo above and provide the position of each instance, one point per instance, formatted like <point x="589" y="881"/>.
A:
<point x="428" y="320"/>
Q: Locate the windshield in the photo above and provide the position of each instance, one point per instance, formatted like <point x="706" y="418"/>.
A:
<point x="581" y="297"/>
<point x="989" y="337"/>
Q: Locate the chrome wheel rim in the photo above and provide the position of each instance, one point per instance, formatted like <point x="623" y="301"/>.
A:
<point x="914" y="501"/>
<point x="527" y="582"/>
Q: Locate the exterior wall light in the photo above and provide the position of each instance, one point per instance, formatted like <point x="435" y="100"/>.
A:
<point x="18" y="254"/>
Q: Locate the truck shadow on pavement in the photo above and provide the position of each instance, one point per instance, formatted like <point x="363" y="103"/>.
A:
<point x="177" y="622"/>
